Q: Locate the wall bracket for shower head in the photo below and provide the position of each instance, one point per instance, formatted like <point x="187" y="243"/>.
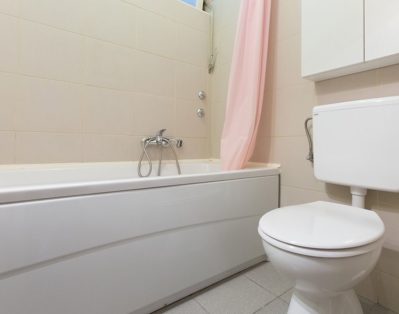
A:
<point x="212" y="55"/>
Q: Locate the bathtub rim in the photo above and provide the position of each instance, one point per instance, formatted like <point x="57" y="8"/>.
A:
<point x="26" y="193"/>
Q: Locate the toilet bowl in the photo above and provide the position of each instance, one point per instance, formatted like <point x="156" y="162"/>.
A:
<point x="325" y="249"/>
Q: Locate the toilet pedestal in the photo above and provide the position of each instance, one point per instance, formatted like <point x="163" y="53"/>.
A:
<point x="344" y="303"/>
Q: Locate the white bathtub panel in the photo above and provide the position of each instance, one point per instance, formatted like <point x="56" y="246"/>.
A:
<point x="35" y="232"/>
<point x="128" y="277"/>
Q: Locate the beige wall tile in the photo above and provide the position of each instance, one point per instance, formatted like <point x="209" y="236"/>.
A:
<point x="288" y="18"/>
<point x="291" y="153"/>
<point x="220" y="83"/>
<point x="293" y="196"/>
<point x="193" y="46"/>
<point x="9" y="36"/>
<point x="156" y="34"/>
<point x="108" y="111"/>
<point x="330" y="193"/>
<point x="266" y="123"/>
<point x="227" y="12"/>
<point x="7" y="147"/>
<point x="287" y="63"/>
<point x="69" y="15"/>
<point x="217" y="119"/>
<point x="388" y="78"/>
<point x="194" y="148"/>
<point x="290" y="107"/>
<point x="51" y="53"/>
<point x="351" y="87"/>
<point x="190" y="80"/>
<point x="187" y="121"/>
<point x="109" y="65"/>
<point x="9" y="7"/>
<point x="105" y="71"/>
<point x="183" y="14"/>
<point x="177" y="11"/>
<point x="9" y="99"/>
<point x="111" y="20"/>
<point x="154" y="74"/>
<point x="224" y="43"/>
<point x="37" y="147"/>
<point x="109" y="147"/>
<point x="153" y="113"/>
<point x="48" y="106"/>
<point x="262" y="150"/>
<point x="389" y="198"/>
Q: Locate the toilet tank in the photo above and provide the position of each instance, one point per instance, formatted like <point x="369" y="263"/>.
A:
<point x="357" y="143"/>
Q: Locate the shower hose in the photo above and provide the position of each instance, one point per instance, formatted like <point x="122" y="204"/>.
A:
<point x="146" y="155"/>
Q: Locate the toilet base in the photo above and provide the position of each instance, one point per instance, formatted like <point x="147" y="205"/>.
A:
<point x="345" y="303"/>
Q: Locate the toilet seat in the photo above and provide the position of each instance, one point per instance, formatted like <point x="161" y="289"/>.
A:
<point x="321" y="253"/>
<point x="322" y="229"/>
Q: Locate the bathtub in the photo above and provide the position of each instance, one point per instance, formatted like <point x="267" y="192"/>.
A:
<point x="96" y="239"/>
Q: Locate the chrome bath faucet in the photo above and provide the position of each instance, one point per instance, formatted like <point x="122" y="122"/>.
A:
<point x="161" y="142"/>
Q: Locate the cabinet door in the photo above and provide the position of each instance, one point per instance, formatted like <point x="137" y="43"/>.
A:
<point x="382" y="28"/>
<point x="332" y="35"/>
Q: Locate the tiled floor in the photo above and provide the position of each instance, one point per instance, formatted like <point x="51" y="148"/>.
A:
<point x="259" y="290"/>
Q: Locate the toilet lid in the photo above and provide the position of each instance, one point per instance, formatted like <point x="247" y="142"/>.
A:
<point x="323" y="225"/>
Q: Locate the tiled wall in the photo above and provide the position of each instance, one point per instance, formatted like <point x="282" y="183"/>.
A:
<point x="85" y="80"/>
<point x="289" y="99"/>
<point x="225" y="20"/>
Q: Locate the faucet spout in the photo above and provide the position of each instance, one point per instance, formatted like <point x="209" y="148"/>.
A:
<point x="161" y="132"/>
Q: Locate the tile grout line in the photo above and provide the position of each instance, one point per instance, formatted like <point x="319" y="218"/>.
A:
<point x="259" y="285"/>
<point x="199" y="303"/>
<point x="263" y="288"/>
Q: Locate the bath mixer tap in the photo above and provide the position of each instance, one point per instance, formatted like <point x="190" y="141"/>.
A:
<point x="160" y="139"/>
<point x="161" y="142"/>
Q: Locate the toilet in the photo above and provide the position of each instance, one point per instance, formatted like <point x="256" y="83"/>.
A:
<point x="326" y="248"/>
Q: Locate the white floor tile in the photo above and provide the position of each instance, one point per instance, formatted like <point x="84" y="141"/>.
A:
<point x="237" y="296"/>
<point x="266" y="276"/>
<point x="245" y="295"/>
<point x="287" y="296"/>
<point x="276" y="307"/>
<point x="189" y="307"/>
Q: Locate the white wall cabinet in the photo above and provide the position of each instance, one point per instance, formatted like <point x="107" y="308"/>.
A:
<point x="341" y="37"/>
<point x="381" y="28"/>
<point x="332" y="35"/>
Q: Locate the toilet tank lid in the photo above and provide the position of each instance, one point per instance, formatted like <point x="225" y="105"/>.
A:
<point x="356" y="104"/>
<point x="323" y="225"/>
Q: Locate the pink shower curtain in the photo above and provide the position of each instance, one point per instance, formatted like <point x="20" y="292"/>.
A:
<point x="246" y="85"/>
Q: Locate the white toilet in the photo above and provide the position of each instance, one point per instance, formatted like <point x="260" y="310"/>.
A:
<point x="327" y="248"/>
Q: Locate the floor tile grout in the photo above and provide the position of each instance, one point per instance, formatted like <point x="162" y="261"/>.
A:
<point x="259" y="285"/>
<point x="262" y="307"/>
<point x="283" y="300"/>
<point x="202" y="307"/>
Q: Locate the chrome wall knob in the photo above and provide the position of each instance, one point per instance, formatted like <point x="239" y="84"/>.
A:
<point x="201" y="95"/>
<point x="200" y="112"/>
